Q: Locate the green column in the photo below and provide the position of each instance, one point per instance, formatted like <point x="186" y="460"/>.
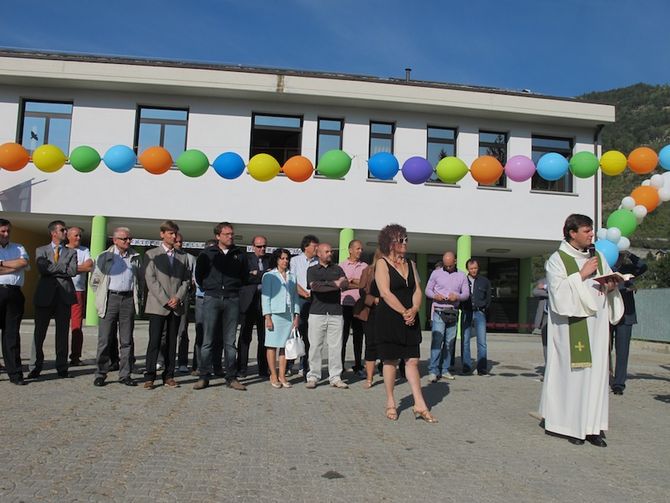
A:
<point x="422" y="269"/>
<point x="463" y="252"/>
<point x="98" y="242"/>
<point x="525" y="290"/>
<point x="346" y="235"/>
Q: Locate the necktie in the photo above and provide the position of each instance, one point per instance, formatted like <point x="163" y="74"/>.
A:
<point x="56" y="253"/>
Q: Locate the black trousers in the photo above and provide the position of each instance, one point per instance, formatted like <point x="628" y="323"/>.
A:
<point x="43" y="314"/>
<point x="253" y="317"/>
<point x="356" y="327"/>
<point x="11" y="313"/>
<point x="156" y="326"/>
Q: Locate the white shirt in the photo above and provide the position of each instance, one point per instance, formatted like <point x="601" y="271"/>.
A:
<point x="299" y="265"/>
<point x="121" y="273"/>
<point x="79" y="280"/>
<point x="11" y="252"/>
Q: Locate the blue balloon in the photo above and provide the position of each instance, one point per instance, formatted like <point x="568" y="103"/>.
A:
<point x="229" y="165"/>
<point x="383" y="165"/>
<point x="417" y="170"/>
<point x="609" y="250"/>
<point x="664" y="157"/>
<point x="552" y="166"/>
<point x="120" y="158"/>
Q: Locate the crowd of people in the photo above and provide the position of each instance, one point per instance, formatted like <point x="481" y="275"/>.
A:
<point x="309" y="295"/>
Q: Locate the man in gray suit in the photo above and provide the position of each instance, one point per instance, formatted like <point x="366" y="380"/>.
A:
<point x="54" y="297"/>
<point x="167" y="278"/>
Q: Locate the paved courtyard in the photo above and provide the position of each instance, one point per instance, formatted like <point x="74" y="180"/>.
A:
<point x="66" y="440"/>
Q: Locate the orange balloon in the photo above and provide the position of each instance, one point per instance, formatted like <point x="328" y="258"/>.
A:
<point x="486" y="169"/>
<point x="13" y="156"/>
<point x="298" y="168"/>
<point x="156" y="160"/>
<point x="646" y="196"/>
<point x="642" y="160"/>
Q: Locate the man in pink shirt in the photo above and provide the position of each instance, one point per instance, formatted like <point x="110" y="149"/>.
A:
<point x="353" y="268"/>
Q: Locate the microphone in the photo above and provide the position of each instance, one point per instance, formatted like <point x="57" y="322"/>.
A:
<point x="592" y="250"/>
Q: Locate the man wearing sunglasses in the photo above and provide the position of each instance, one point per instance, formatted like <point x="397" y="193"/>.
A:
<point x="54" y="297"/>
<point x="115" y="281"/>
<point x="250" y="310"/>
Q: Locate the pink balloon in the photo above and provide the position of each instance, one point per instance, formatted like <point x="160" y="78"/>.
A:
<point x="519" y="168"/>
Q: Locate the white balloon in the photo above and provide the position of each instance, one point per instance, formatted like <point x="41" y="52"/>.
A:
<point x="623" y="244"/>
<point x="664" y="194"/>
<point x="602" y="233"/>
<point x="666" y="175"/>
<point x="613" y="234"/>
<point x="639" y="220"/>
<point x="646" y="183"/>
<point x="628" y="203"/>
<point x="640" y="211"/>
<point x="657" y="180"/>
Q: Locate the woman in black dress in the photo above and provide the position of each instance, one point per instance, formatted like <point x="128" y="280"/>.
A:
<point x="398" y="333"/>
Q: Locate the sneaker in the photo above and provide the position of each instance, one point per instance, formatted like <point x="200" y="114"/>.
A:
<point x="288" y="373"/>
<point x="236" y="385"/>
<point x="311" y="383"/>
<point x="301" y="373"/>
<point x="159" y="366"/>
<point x="432" y="378"/>
<point x="448" y="376"/>
<point x="183" y="369"/>
<point x="339" y="384"/>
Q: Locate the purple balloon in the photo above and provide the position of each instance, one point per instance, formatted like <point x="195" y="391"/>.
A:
<point x="417" y="170"/>
<point x="519" y="168"/>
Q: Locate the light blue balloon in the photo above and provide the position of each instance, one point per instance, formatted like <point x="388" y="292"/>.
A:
<point x="552" y="166"/>
<point x="383" y="165"/>
<point x="664" y="157"/>
<point x="229" y="165"/>
<point x="609" y="250"/>
<point x="120" y="158"/>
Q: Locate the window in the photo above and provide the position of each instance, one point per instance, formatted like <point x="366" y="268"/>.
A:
<point x="45" y="122"/>
<point x="494" y="144"/>
<point x="441" y="144"/>
<point x="277" y="135"/>
<point x="543" y="145"/>
<point x="329" y="136"/>
<point x="164" y="127"/>
<point x="381" y="139"/>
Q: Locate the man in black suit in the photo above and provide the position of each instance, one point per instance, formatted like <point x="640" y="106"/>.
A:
<point x="54" y="296"/>
<point x="250" y="310"/>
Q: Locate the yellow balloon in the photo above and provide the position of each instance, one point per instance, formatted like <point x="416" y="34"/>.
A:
<point x="48" y="158"/>
<point x="263" y="167"/>
<point x="613" y="163"/>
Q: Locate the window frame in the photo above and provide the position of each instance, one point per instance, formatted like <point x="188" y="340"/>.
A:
<point x="568" y="178"/>
<point x="380" y="136"/>
<point x="441" y="141"/>
<point x="276" y="128"/>
<point x="47" y="115"/>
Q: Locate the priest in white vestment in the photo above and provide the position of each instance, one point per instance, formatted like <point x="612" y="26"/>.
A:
<point x="575" y="391"/>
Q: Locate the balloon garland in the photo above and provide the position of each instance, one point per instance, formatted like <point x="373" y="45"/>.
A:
<point x="416" y="170"/>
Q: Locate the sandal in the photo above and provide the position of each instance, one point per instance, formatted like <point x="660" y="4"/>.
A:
<point x="425" y="415"/>
<point x="367" y="384"/>
<point x="392" y="413"/>
<point x="275" y="384"/>
<point x="285" y="384"/>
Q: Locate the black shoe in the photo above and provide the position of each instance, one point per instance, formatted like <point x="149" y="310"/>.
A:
<point x="99" y="381"/>
<point x="127" y="381"/>
<point x="596" y="440"/>
<point x="17" y="380"/>
<point x="575" y="441"/>
<point x="617" y="391"/>
<point x="34" y="374"/>
<point x="76" y="362"/>
<point x="64" y="374"/>
<point x="114" y="367"/>
<point x="466" y="371"/>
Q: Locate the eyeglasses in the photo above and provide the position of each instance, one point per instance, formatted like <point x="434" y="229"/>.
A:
<point x="123" y="239"/>
<point x="61" y="230"/>
<point x="401" y="241"/>
<point x="260" y="246"/>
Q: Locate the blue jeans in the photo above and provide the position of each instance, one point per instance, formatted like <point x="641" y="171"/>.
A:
<point x="219" y="319"/>
<point x="478" y="319"/>
<point x="440" y="349"/>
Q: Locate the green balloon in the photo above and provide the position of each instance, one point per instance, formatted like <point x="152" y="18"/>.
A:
<point x="624" y="220"/>
<point x="451" y="169"/>
<point x="584" y="164"/>
<point x="193" y="163"/>
<point x="334" y="164"/>
<point x="84" y="159"/>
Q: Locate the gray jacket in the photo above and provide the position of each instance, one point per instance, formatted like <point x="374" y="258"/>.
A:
<point x="99" y="281"/>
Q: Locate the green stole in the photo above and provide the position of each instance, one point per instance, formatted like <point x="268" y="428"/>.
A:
<point x="580" y="348"/>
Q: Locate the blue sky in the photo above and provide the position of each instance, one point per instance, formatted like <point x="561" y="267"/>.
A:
<point x="559" y="47"/>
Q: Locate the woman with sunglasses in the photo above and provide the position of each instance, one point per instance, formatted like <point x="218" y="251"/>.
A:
<point x="398" y="333"/>
<point x="279" y="301"/>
